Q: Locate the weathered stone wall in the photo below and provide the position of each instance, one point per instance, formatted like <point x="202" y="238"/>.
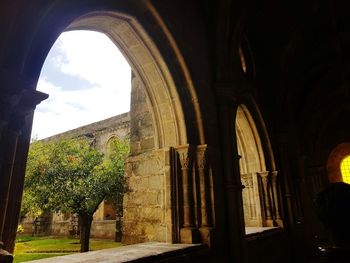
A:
<point x="101" y="132"/>
<point x="60" y="228"/>
<point x="142" y="135"/>
<point x="147" y="213"/>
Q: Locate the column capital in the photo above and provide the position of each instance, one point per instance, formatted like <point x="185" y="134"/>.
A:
<point x="24" y="108"/>
<point x="185" y="153"/>
<point x="28" y="101"/>
<point x="263" y="174"/>
<point x="274" y="173"/>
<point x="202" y="156"/>
<point x="19" y="96"/>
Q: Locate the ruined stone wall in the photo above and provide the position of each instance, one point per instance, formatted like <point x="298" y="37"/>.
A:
<point x="104" y="229"/>
<point x="101" y="132"/>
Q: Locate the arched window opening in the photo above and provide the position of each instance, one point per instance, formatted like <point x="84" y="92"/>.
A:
<point x="251" y="164"/>
<point x="89" y="83"/>
<point x="345" y="169"/>
<point x="246" y="59"/>
<point x="338" y="163"/>
<point x="154" y="125"/>
<point x="260" y="204"/>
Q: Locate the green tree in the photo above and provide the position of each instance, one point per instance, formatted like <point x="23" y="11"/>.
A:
<point x="115" y="162"/>
<point x="70" y="176"/>
<point x="36" y="195"/>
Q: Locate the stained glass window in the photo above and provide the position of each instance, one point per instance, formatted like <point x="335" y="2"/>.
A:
<point x="345" y="169"/>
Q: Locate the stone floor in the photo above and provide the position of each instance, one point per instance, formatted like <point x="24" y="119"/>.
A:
<point x="145" y="252"/>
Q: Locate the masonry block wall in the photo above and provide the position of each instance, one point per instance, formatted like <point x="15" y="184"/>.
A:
<point x="147" y="214"/>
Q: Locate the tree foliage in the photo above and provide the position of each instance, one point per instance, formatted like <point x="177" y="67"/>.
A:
<point x="70" y="176"/>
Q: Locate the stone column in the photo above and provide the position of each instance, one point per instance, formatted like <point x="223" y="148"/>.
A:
<point x="232" y="181"/>
<point x="275" y="200"/>
<point x="292" y="216"/>
<point x="266" y="196"/>
<point x="206" y="220"/>
<point x="9" y="145"/>
<point x="8" y="100"/>
<point x="16" y="187"/>
<point x="13" y="168"/>
<point x="203" y="186"/>
<point x="188" y="232"/>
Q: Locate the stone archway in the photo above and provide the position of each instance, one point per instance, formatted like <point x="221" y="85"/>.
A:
<point x="149" y="68"/>
<point x="260" y="198"/>
<point x="147" y="204"/>
<point x="155" y="207"/>
<point x="252" y="165"/>
<point x="158" y="165"/>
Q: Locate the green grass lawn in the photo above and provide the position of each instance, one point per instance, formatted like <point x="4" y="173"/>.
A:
<point x="31" y="248"/>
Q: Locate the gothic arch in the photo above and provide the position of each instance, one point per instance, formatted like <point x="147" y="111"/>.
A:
<point x="249" y="142"/>
<point x="150" y="68"/>
<point x="141" y="34"/>
<point x="260" y="193"/>
<point x="163" y="75"/>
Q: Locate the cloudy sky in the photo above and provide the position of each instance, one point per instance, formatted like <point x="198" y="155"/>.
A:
<point x="87" y="79"/>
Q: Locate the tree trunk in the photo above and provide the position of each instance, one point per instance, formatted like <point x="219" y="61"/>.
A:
<point x="86" y="220"/>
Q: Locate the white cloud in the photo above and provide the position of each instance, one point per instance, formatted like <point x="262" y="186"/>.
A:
<point x="93" y="57"/>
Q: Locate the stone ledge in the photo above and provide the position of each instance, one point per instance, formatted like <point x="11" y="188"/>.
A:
<point x="145" y="252"/>
<point x="261" y="232"/>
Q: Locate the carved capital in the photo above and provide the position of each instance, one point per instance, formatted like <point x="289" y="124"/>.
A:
<point x="185" y="156"/>
<point x="274" y="174"/>
<point x="28" y="101"/>
<point x="263" y="174"/>
<point x="19" y="98"/>
<point x="202" y="156"/>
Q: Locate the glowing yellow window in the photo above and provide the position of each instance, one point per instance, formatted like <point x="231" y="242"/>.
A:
<point x="345" y="169"/>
